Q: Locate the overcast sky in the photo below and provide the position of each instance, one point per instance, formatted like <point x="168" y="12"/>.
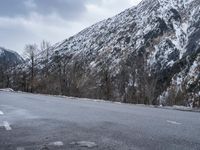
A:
<point x="31" y="21"/>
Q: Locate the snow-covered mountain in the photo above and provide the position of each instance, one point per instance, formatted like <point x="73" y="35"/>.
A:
<point x="9" y="57"/>
<point x="8" y="62"/>
<point x="147" y="54"/>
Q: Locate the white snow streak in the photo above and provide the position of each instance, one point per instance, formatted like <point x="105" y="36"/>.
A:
<point x="7" y="126"/>
<point x="1" y="113"/>
<point x="57" y="143"/>
<point x="173" y="122"/>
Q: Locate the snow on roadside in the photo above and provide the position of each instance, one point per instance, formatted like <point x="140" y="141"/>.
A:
<point x="7" y="90"/>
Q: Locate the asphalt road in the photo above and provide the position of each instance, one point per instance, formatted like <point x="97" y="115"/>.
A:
<point x="38" y="122"/>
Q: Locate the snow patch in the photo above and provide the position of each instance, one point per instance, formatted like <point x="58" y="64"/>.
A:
<point x="86" y="144"/>
<point x="7" y="90"/>
<point x="57" y="143"/>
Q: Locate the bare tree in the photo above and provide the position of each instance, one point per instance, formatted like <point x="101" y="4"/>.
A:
<point x="31" y="53"/>
<point x="105" y="83"/>
<point x="45" y="48"/>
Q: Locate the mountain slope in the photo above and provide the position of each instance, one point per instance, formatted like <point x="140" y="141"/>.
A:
<point x="9" y="57"/>
<point x="146" y="54"/>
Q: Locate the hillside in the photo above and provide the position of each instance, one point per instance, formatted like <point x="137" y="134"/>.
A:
<point x="146" y="54"/>
<point x="8" y="59"/>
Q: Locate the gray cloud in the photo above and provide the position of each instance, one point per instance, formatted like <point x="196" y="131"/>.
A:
<point x="12" y="8"/>
<point x="31" y="21"/>
<point x="64" y="8"/>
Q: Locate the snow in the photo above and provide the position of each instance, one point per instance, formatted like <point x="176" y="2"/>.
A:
<point x="17" y="59"/>
<point x="193" y="72"/>
<point x="147" y="29"/>
<point x="86" y="144"/>
<point x="93" y="42"/>
<point x="170" y="63"/>
<point x="131" y="82"/>
<point x="182" y="108"/>
<point x="135" y="84"/>
<point x="105" y="43"/>
<point x="177" y="82"/>
<point x="7" y="90"/>
<point x="185" y="27"/>
<point x="93" y="64"/>
<point x="1" y="51"/>
<point x="57" y="143"/>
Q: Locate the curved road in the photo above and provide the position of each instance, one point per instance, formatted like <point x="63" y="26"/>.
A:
<point x="39" y="122"/>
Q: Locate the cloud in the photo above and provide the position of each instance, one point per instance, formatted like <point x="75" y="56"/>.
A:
<point x="64" y="8"/>
<point x="31" y="21"/>
<point x="16" y="32"/>
<point x="30" y="4"/>
<point x="102" y="9"/>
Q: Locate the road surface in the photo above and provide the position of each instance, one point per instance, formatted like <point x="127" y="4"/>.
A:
<point x="39" y="122"/>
